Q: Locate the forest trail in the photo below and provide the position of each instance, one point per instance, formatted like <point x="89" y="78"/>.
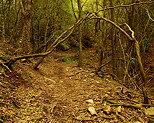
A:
<point x="115" y="40"/>
<point x="58" y="93"/>
<point x="59" y="89"/>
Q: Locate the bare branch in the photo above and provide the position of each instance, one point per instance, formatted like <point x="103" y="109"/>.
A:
<point x="137" y="48"/>
<point x="52" y="47"/>
<point x="142" y="73"/>
<point x="5" y="66"/>
<point x="133" y="36"/>
<point x="128" y="5"/>
<point x="117" y="26"/>
<point x="73" y="10"/>
<point x="84" y="4"/>
<point x="149" y="14"/>
<point x="22" y="7"/>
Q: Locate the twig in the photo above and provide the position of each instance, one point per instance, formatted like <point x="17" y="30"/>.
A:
<point x="116" y="25"/>
<point x="128" y="5"/>
<point x="5" y="66"/>
<point x="148" y="13"/>
<point x="138" y="106"/>
<point x="99" y="68"/>
<point x="133" y="36"/>
<point x="95" y="118"/>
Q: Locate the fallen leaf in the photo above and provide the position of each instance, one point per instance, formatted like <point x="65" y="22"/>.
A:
<point x="92" y="111"/>
<point x="105" y="97"/>
<point x="90" y="101"/>
<point x="107" y="109"/>
<point x="53" y="106"/>
<point x="118" y="109"/>
<point x="149" y="111"/>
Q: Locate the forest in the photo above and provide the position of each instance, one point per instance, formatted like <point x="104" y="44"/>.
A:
<point x="74" y="61"/>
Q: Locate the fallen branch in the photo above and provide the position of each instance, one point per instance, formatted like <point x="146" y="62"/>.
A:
<point x="100" y="67"/>
<point x="50" y="50"/>
<point x="95" y="118"/>
<point x="138" y="106"/>
<point x="5" y="66"/>
<point x="54" y="45"/>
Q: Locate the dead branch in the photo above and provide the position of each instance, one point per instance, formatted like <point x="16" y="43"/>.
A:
<point x="100" y="67"/>
<point x="149" y="15"/>
<point x="131" y="38"/>
<point x="22" y="7"/>
<point x="95" y="118"/>
<point x="138" y="53"/>
<point x="127" y="5"/>
<point x="137" y="47"/>
<point x="116" y="25"/>
<point x="138" y="106"/>
<point x="57" y="42"/>
<point x="5" y="66"/>
<point x="52" y="47"/>
<point x="45" y="44"/>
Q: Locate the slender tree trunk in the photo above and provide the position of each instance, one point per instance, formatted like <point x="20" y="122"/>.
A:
<point x="112" y="33"/>
<point x="73" y="9"/>
<point x="98" y="38"/>
<point x="25" y="43"/>
<point x="3" y="21"/>
<point x="80" y="35"/>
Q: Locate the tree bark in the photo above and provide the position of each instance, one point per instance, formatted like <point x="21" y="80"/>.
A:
<point x="24" y="42"/>
<point x="80" y="63"/>
<point x="113" y="41"/>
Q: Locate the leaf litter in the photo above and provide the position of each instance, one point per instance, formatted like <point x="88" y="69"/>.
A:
<point x="59" y="92"/>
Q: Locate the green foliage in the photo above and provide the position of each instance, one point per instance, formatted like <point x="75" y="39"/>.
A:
<point x="73" y="42"/>
<point x="2" y="71"/>
<point x="4" y="117"/>
<point x="146" y="42"/>
<point x="2" y="97"/>
<point x="64" y="46"/>
<point x="5" y="58"/>
<point x="133" y="61"/>
<point x="69" y="59"/>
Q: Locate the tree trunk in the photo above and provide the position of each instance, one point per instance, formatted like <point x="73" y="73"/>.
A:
<point x="80" y="63"/>
<point x="25" y="43"/>
<point x="3" y="21"/>
<point x="113" y="41"/>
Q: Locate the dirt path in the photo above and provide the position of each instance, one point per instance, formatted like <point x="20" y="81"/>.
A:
<point x="57" y="93"/>
<point x="61" y="91"/>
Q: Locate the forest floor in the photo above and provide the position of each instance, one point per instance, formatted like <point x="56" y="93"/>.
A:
<point x="62" y="92"/>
